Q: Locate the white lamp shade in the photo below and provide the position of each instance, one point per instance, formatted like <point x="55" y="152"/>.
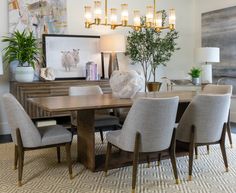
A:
<point x="113" y="43"/>
<point x="1" y="64"/>
<point x="208" y="54"/>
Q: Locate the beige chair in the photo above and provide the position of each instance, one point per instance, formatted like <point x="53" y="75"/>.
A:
<point x="28" y="137"/>
<point x="204" y="123"/>
<point x="103" y="120"/>
<point x="220" y="89"/>
<point x="149" y="127"/>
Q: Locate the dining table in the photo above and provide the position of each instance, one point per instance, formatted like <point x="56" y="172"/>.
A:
<point x="87" y="104"/>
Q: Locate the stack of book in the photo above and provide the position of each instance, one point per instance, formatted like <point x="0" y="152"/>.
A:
<point x="91" y="71"/>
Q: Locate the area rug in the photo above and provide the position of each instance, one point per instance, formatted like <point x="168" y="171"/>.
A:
<point x="42" y="174"/>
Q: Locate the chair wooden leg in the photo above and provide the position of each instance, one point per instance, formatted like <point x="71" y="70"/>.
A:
<point x="20" y="150"/>
<point x="208" y="149"/>
<point x="58" y="155"/>
<point x="101" y="134"/>
<point x="109" y="146"/>
<point x="68" y="158"/>
<point x="148" y="161"/>
<point x="196" y="152"/>
<point x="173" y="157"/>
<point x="229" y="134"/>
<point x="15" y="157"/>
<point x="135" y="161"/>
<point x="222" y="147"/>
<point x="191" y="150"/>
<point x="21" y="165"/>
<point x="159" y="159"/>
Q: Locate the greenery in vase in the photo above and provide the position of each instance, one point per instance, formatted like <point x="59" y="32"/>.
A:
<point x="151" y="48"/>
<point x="195" y="72"/>
<point x="23" y="47"/>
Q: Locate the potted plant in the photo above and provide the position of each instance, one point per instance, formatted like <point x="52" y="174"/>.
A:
<point x="151" y="48"/>
<point x="195" y="73"/>
<point x="22" y="47"/>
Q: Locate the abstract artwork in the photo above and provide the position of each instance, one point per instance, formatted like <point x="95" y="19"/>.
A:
<point x="219" y="30"/>
<point x="39" y="16"/>
<point x="69" y="57"/>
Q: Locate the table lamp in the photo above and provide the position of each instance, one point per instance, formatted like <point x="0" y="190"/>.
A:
<point x="113" y="44"/>
<point x="206" y="55"/>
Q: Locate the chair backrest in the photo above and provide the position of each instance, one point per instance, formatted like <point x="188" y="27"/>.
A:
<point x="217" y="89"/>
<point x="85" y="90"/>
<point x="207" y="113"/>
<point x="18" y="118"/>
<point x="154" y="119"/>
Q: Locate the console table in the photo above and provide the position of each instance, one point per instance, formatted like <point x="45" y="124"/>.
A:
<point x="23" y="91"/>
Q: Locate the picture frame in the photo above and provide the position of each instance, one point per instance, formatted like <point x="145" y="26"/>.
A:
<point x="67" y="55"/>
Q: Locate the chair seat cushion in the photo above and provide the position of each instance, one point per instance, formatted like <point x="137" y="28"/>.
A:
<point x="54" y="134"/>
<point x="102" y="120"/>
<point x="113" y="137"/>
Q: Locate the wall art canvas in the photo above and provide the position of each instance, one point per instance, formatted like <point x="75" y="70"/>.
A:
<point x="219" y="30"/>
<point x="39" y="16"/>
<point x="68" y="54"/>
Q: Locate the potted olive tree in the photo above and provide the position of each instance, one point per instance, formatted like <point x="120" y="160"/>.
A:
<point x="195" y="73"/>
<point x="23" y="48"/>
<point x="151" y="48"/>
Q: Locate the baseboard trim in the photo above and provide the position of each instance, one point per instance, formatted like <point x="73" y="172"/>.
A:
<point x="4" y="128"/>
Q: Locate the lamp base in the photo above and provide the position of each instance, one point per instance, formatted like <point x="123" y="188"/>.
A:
<point x="113" y="64"/>
<point x="206" y="77"/>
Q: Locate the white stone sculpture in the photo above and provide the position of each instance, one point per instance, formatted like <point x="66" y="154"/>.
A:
<point x="47" y="73"/>
<point x="126" y="84"/>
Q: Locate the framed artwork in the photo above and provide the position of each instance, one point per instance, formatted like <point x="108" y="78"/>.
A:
<point x="39" y="16"/>
<point x="67" y="55"/>
<point x="219" y="30"/>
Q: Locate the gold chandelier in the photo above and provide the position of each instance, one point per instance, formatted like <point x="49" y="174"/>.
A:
<point x="154" y="19"/>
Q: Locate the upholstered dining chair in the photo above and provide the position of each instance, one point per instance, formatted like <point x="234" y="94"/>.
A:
<point x="26" y="136"/>
<point x="149" y="127"/>
<point x="220" y="89"/>
<point x="102" y="117"/>
<point x="204" y="123"/>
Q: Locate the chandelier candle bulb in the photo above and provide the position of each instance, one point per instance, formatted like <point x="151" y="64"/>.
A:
<point x="113" y="18"/>
<point x="149" y="16"/>
<point x="88" y="16"/>
<point x="137" y="20"/>
<point x="172" y="19"/>
<point x="97" y="12"/>
<point x="124" y="14"/>
<point x="158" y="21"/>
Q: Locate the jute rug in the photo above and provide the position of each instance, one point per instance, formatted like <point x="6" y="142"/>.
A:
<point x="42" y="174"/>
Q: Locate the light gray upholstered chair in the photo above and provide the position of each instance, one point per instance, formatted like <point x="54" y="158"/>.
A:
<point x="204" y="123"/>
<point x="102" y="117"/>
<point x="220" y="89"/>
<point x="149" y="127"/>
<point x="26" y="136"/>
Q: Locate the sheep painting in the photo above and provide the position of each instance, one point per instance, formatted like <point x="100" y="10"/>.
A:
<point x="70" y="59"/>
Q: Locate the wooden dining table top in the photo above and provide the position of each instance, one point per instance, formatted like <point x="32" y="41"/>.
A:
<point x="86" y="102"/>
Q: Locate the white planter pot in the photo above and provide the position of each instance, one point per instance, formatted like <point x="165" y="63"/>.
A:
<point x="196" y="81"/>
<point x="24" y="74"/>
